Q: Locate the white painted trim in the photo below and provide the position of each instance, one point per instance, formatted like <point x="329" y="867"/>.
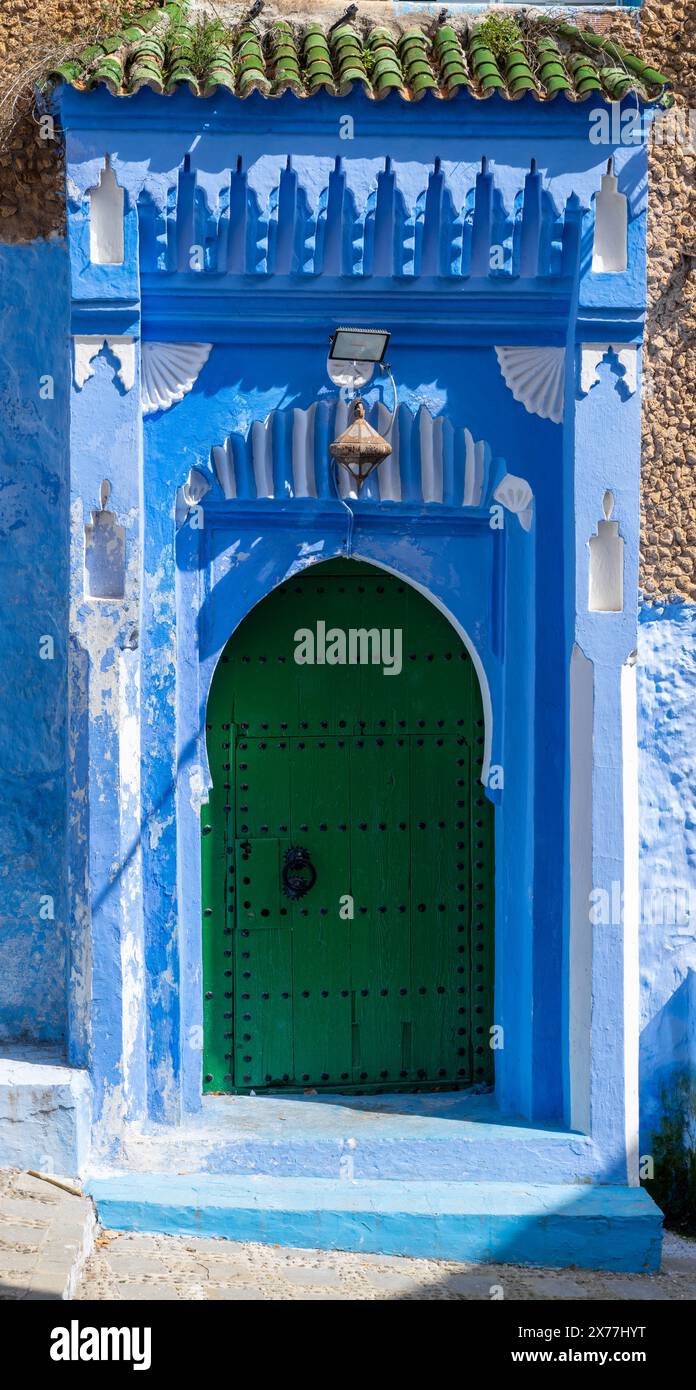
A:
<point x="593" y="354"/>
<point x="631" y="915"/>
<point x="433" y="438"/>
<point x="106" y="219"/>
<point x="580" y="940"/>
<point x="223" y="462"/>
<point x="517" y="497"/>
<point x="87" y="346"/>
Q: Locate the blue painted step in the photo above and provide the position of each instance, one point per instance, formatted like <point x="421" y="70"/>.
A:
<point x="445" y="1137"/>
<point x="544" y="1224"/>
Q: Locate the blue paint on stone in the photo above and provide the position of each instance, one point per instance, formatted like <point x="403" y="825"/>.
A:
<point x="45" y="1110"/>
<point x="456" y="1137"/>
<point x="531" y="1224"/>
<point x="125" y="868"/>
<point x="34" y="387"/>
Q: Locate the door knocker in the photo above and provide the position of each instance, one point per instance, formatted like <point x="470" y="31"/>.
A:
<point x="294" y="885"/>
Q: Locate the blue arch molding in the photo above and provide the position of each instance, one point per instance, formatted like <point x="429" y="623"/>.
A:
<point x="244" y="551"/>
<point x="403" y="213"/>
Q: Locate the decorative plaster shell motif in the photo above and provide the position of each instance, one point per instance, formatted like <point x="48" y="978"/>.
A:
<point x="191" y="493"/>
<point x="516" y="494"/>
<point x="535" y="377"/>
<point x="168" y="372"/>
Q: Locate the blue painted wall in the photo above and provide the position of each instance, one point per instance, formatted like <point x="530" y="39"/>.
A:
<point x="240" y="383"/>
<point x="667" y="739"/>
<point x="34" y="586"/>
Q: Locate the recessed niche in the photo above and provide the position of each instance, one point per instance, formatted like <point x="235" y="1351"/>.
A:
<point x="105" y="552"/>
<point x="610" y="248"/>
<point x="106" y="209"/>
<point x="606" y="564"/>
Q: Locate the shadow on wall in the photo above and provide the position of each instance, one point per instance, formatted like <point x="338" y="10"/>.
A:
<point x="668" y="1119"/>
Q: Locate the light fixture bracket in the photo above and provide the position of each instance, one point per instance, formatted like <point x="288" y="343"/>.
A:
<point x="358" y="344"/>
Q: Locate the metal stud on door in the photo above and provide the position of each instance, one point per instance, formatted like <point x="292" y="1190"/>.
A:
<point x="356" y="919"/>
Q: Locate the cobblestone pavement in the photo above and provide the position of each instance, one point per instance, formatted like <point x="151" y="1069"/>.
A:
<point x="45" y="1233"/>
<point x="184" y="1267"/>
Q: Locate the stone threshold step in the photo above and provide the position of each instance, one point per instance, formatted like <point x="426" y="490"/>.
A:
<point x="541" y="1224"/>
<point x="45" y="1111"/>
<point x="458" y="1137"/>
<point x="571" y="1160"/>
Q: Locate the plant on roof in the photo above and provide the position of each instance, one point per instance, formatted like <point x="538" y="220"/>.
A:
<point x="501" y="33"/>
<point x="207" y="34"/>
<point x="368" y="61"/>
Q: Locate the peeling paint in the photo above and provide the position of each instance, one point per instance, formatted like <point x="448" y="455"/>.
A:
<point x="34" y="968"/>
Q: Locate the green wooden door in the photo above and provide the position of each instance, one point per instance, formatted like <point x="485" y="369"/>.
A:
<point x="379" y="975"/>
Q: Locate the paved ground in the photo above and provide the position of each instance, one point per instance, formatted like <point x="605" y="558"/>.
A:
<point x="178" y="1267"/>
<point x="45" y="1235"/>
<point x="47" y="1251"/>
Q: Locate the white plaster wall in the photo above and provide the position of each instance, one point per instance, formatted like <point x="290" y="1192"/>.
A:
<point x="667" y="804"/>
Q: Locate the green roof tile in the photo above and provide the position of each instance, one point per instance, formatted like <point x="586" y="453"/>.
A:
<point x="165" y="47"/>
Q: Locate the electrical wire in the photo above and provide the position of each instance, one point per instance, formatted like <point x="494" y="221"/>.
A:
<point x="384" y="367"/>
<point x="351" y="513"/>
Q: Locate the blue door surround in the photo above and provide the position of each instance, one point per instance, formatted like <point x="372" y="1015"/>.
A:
<point x="537" y="359"/>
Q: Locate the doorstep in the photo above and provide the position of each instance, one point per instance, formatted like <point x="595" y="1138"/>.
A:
<point x="547" y="1225"/>
<point x="442" y="1136"/>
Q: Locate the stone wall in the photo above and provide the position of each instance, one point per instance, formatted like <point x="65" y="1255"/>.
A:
<point x="32" y="36"/>
<point x="669" y="399"/>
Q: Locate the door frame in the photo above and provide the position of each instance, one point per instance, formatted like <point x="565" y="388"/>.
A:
<point x="476" y="577"/>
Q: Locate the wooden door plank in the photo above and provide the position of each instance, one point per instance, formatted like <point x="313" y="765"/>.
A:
<point x="440" y="914"/>
<point x="263" y="1009"/>
<point x="320" y="813"/>
<point x="380" y="953"/>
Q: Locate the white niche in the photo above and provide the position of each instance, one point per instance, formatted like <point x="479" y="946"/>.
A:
<point x="106" y="210"/>
<point x="610" y="248"/>
<point x="606" y="564"/>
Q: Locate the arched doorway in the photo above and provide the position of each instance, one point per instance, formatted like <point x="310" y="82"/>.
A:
<point x="347" y="845"/>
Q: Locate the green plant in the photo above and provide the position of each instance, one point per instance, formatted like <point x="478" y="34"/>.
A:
<point x="207" y="36"/>
<point x="500" y="33"/>
<point x="674" y="1155"/>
